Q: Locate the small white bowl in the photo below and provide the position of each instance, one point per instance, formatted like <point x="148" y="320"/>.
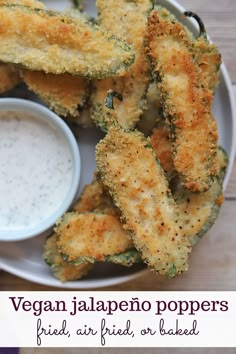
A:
<point x="40" y="127"/>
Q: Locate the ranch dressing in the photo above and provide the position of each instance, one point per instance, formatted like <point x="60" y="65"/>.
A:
<point x="35" y="169"/>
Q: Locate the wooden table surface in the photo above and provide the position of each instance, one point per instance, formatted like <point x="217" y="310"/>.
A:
<point x="213" y="261"/>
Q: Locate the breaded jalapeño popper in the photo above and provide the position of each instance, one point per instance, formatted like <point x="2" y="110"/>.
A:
<point x="65" y="94"/>
<point x="136" y="181"/>
<point x="62" y="270"/>
<point x="9" y="74"/>
<point x="206" y="55"/>
<point x="57" y="43"/>
<point x="31" y="3"/>
<point x="93" y="231"/>
<point x="94" y="236"/>
<point x="198" y="211"/>
<point x="186" y="103"/>
<point x="128" y="21"/>
<point x="207" y="58"/>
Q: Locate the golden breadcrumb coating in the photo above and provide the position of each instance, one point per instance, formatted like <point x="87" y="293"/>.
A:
<point x="60" y="269"/>
<point x="129" y="169"/>
<point x="65" y="94"/>
<point x="56" y="43"/>
<point x="186" y="103"/>
<point x="31" y="3"/>
<point x="91" y="235"/>
<point x="127" y="21"/>
<point x="9" y="74"/>
<point x="209" y="60"/>
<point x="205" y="53"/>
<point x="95" y="197"/>
<point x="198" y="211"/>
<point x="161" y="144"/>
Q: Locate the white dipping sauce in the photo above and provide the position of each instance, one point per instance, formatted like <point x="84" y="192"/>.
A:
<point x="36" y="169"/>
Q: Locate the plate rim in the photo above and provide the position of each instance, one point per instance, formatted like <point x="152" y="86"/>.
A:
<point x="78" y="284"/>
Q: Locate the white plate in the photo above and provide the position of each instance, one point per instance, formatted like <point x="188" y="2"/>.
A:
<point x="24" y="258"/>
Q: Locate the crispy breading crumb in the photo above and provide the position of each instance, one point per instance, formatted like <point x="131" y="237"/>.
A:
<point x="138" y="186"/>
<point x="186" y="103"/>
<point x="129" y="22"/>
<point x="58" y="43"/>
<point x="60" y="269"/>
<point x="91" y="236"/>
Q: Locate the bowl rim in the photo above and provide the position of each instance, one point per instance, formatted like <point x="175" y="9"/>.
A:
<point x="45" y="115"/>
